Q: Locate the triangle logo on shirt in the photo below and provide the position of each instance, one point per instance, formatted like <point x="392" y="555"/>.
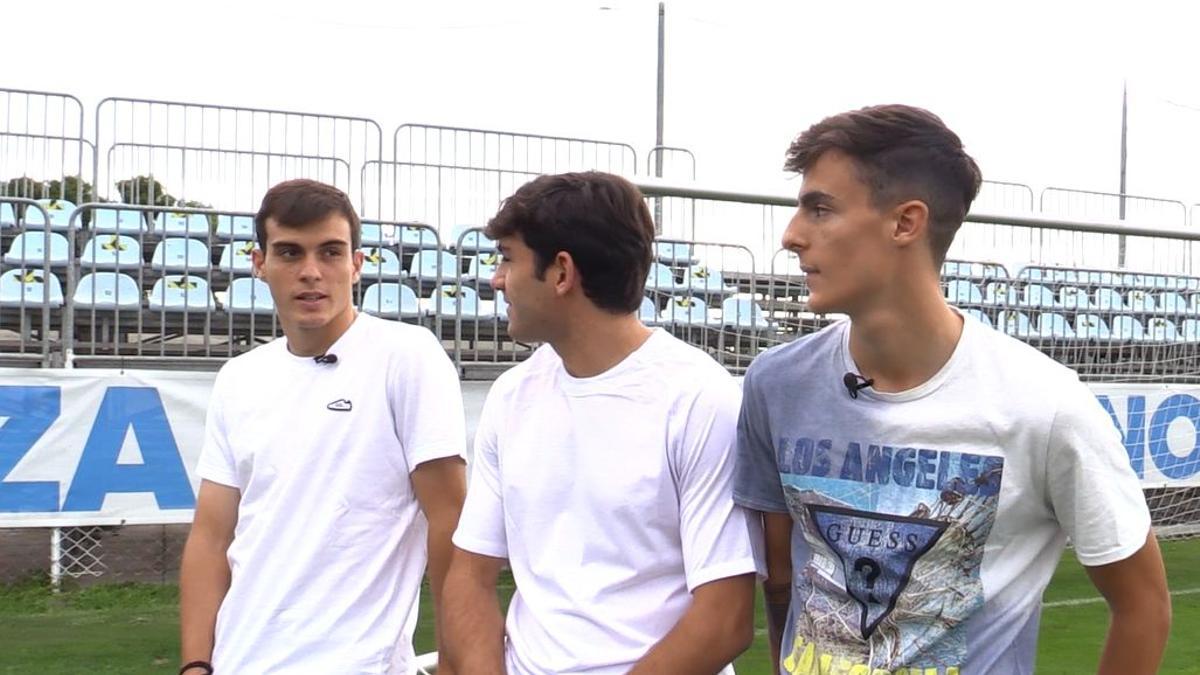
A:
<point x="878" y="552"/>
<point x="341" y="405"/>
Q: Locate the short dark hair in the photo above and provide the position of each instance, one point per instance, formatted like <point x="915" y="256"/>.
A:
<point x="601" y="220"/>
<point x="901" y="153"/>
<point x="301" y="202"/>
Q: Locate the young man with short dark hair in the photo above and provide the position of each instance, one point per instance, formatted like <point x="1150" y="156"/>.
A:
<point x="602" y="467"/>
<point x="332" y="462"/>
<point x="917" y="472"/>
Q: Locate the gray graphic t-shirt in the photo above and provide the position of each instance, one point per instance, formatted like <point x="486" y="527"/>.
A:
<point x="927" y="523"/>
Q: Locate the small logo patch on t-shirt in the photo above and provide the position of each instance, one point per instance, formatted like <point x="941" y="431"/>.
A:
<point x="341" y="405"/>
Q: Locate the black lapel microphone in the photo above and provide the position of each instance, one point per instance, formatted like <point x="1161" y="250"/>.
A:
<point x="855" y="383"/>
<point x="326" y="359"/>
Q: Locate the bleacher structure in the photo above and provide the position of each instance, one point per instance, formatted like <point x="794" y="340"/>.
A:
<point x="117" y="277"/>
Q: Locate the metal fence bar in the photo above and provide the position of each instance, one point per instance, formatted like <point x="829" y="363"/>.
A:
<point x="665" y="152"/>
<point x="229" y="179"/>
<point x="1112" y="206"/>
<point x="353" y="140"/>
<point x="509" y="150"/>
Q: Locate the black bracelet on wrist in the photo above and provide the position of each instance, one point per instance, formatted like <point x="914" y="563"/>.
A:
<point x="208" y="669"/>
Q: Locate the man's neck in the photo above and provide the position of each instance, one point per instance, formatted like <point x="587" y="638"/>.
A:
<point x="903" y="342"/>
<point x="317" y="341"/>
<point x="597" y="341"/>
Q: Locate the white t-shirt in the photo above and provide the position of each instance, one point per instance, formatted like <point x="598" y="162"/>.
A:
<point x="928" y="522"/>
<point x="611" y="498"/>
<point x="329" y="550"/>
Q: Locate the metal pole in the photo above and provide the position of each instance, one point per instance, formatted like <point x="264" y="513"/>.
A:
<point x="56" y="559"/>
<point x="1124" y="156"/>
<point x="658" y="135"/>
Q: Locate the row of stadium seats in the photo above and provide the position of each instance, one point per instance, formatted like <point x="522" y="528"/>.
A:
<point x="181" y="254"/>
<point x="182" y="293"/>
<point x="1003" y="293"/>
<point x="981" y="272"/>
<point x="1124" y="328"/>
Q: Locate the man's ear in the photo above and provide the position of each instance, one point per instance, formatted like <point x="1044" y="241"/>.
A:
<point x="911" y="222"/>
<point x="565" y="275"/>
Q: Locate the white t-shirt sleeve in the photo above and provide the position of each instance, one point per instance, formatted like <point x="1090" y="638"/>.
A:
<point x="481" y="526"/>
<point x="1094" y="492"/>
<point x="716" y="534"/>
<point x="217" y="463"/>
<point x="427" y="405"/>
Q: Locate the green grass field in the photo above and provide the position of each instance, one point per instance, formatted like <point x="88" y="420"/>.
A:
<point x="131" y="629"/>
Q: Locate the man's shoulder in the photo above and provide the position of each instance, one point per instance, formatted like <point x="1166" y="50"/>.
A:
<point x="780" y="361"/>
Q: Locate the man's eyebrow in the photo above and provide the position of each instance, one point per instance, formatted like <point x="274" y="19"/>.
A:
<point x="815" y="197"/>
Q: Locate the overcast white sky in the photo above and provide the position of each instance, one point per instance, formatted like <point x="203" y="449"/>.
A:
<point x="1034" y="89"/>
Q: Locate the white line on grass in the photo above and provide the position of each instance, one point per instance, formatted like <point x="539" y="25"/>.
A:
<point x="1089" y="601"/>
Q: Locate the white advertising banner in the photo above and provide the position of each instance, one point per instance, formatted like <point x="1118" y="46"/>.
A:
<point x="101" y="447"/>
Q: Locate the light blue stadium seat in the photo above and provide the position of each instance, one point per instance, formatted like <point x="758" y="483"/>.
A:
<point x="34" y="249"/>
<point x="181" y="293"/>
<point x="248" y="295"/>
<point x="8" y="216"/>
<point x="482" y="269"/>
<point x="419" y="238"/>
<point x="107" y="291"/>
<point x="1033" y="274"/>
<point x="1171" y="302"/>
<point x="455" y="301"/>
<point x="1109" y="300"/>
<point x="118" y="221"/>
<point x="111" y="252"/>
<point x="1054" y="326"/>
<point x="1191" y="284"/>
<point x="685" y="311"/>
<point x="661" y="279"/>
<point x="30" y="288"/>
<point x="179" y="254"/>
<point x="1098" y="278"/>
<point x="1014" y="323"/>
<point x="701" y="280"/>
<point x="743" y="314"/>
<point x="1074" y="297"/>
<point x="375" y="234"/>
<point x="235" y="228"/>
<point x="1161" y="282"/>
<point x="472" y="242"/>
<point x="648" y="313"/>
<point x="1091" y="327"/>
<point x="60" y="215"/>
<point x="999" y="293"/>
<point x="381" y="264"/>
<point x="1141" y="301"/>
<point x="959" y="269"/>
<point x="237" y="257"/>
<point x="1125" y="327"/>
<point x="1159" y="329"/>
<point x="425" y="266"/>
<point x="171" y="224"/>
<point x="1189" y="330"/>
<point x="391" y="300"/>
<point x="963" y="292"/>
<point x="674" y="252"/>
<point x="1194" y="303"/>
<point x="979" y="316"/>
<point x="1037" y="295"/>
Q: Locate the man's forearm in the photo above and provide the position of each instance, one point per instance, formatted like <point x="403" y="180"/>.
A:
<point x="203" y="582"/>
<point x="440" y="551"/>
<point x="709" y="635"/>
<point x="1136" y="640"/>
<point x="778" y="600"/>
<point x="473" y="626"/>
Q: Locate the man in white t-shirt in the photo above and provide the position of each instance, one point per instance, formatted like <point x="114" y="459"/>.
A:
<point x="333" y="461"/>
<point x="917" y="472"/>
<point x="603" y="464"/>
